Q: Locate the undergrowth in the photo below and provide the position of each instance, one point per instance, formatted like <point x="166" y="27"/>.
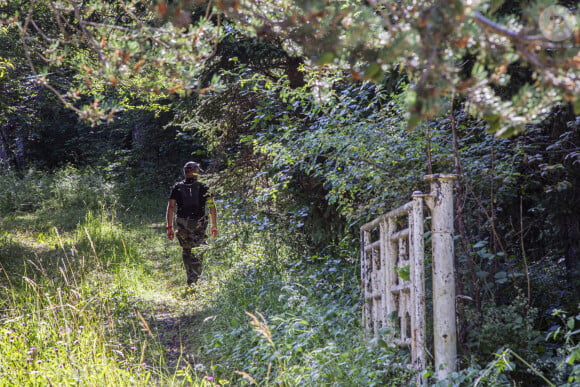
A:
<point x="92" y="293"/>
<point x="305" y="313"/>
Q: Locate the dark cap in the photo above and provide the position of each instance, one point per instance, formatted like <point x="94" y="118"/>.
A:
<point x="192" y="165"/>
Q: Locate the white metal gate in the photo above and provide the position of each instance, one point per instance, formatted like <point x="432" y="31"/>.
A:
<point x="393" y="279"/>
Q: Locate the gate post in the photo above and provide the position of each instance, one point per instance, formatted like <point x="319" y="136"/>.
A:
<point x="417" y="246"/>
<point x="440" y="201"/>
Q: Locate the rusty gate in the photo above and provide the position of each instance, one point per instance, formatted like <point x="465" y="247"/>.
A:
<point x="393" y="276"/>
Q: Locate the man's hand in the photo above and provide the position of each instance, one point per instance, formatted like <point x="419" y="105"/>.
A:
<point x="170" y="233"/>
<point x="214" y="231"/>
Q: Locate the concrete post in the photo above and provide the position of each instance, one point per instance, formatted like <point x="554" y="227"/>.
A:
<point x="365" y="237"/>
<point x="384" y="280"/>
<point x="444" y="326"/>
<point x="419" y="325"/>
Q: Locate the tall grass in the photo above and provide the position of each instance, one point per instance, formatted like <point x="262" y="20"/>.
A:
<point x="60" y="328"/>
<point x="71" y="311"/>
<point x="304" y="311"/>
<point x="92" y="293"/>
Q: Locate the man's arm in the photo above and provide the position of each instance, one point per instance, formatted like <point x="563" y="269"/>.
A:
<point x="213" y="216"/>
<point x="169" y="218"/>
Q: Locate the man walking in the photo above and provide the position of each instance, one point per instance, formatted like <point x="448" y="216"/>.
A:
<point x="191" y="198"/>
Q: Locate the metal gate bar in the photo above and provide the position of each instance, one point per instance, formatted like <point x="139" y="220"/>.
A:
<point x="393" y="276"/>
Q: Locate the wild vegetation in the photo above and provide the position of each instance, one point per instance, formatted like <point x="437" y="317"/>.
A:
<point x="310" y="118"/>
<point x="94" y="294"/>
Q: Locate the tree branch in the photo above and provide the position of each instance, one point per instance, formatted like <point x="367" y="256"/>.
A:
<point x="501" y="30"/>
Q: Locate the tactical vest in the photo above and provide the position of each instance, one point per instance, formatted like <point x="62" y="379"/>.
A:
<point x="190" y="203"/>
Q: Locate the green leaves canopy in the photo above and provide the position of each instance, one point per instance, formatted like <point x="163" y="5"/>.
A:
<point x="472" y="49"/>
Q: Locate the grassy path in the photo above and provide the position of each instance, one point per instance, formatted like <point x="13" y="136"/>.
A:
<point x="112" y="294"/>
<point x="171" y="312"/>
<point x="167" y="307"/>
<point x="105" y="303"/>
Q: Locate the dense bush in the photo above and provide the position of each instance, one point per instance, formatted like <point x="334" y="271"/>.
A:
<point x="305" y="315"/>
<point x="68" y="190"/>
<point x="267" y="308"/>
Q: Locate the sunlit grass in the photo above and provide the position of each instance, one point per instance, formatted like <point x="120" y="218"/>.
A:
<point x="56" y="328"/>
<point x="104" y="302"/>
<point x="75" y="302"/>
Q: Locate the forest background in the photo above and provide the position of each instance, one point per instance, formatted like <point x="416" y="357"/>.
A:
<point x="310" y="118"/>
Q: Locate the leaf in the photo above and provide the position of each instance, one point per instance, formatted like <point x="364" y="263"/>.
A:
<point x="404" y="272"/>
<point x="501" y="277"/>
<point x="480" y="244"/>
<point x="383" y="344"/>
<point x="325" y="58"/>
<point x="413" y="121"/>
<point x="577" y="106"/>
<point x="495" y="5"/>
<point x="373" y="71"/>
<point x="574" y="356"/>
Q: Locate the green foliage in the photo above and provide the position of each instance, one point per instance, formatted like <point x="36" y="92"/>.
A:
<point x="74" y="302"/>
<point x="505" y="325"/>
<point x="67" y="190"/>
<point x="551" y="366"/>
<point x="83" y="294"/>
<point x="47" y="340"/>
<point x="58" y="328"/>
<point x="130" y="47"/>
<point x="566" y="331"/>
<point x="305" y="314"/>
<point x="313" y="157"/>
<point x="345" y="142"/>
<point x="431" y="40"/>
<point x="446" y="47"/>
<point x="99" y="290"/>
<point x="302" y="164"/>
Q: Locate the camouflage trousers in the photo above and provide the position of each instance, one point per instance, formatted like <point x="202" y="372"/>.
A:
<point x="192" y="237"/>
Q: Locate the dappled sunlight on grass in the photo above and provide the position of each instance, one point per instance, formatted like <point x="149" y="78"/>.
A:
<point x="106" y="303"/>
<point x="72" y="300"/>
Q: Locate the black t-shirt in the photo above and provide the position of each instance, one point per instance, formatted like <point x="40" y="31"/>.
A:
<point x="191" y="196"/>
